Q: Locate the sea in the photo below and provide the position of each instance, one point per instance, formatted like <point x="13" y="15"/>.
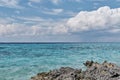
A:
<point x="21" y="61"/>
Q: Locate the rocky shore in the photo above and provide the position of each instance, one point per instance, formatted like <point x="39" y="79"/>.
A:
<point x="94" y="71"/>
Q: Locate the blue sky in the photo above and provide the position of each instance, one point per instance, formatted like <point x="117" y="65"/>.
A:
<point x="59" y="20"/>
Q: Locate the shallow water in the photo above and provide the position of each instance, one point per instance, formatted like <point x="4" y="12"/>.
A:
<point x="21" y="61"/>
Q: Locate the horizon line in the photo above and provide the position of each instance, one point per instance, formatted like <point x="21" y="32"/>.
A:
<point x="50" y="42"/>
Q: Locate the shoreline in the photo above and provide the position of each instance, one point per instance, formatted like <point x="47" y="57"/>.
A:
<point x="94" y="71"/>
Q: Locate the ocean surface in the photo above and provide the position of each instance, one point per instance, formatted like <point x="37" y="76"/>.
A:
<point x="21" y="61"/>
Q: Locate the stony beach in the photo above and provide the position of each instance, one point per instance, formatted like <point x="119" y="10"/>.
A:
<point x="94" y="71"/>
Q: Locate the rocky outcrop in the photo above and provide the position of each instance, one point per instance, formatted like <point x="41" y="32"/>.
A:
<point x="94" y="71"/>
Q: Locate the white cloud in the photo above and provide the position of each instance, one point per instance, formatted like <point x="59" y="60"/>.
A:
<point x="114" y="30"/>
<point x="61" y="29"/>
<point x="59" y="11"/>
<point x="76" y="0"/>
<point x="10" y="3"/>
<point x="42" y="27"/>
<point x="53" y="11"/>
<point x="33" y="19"/>
<point x="55" y="1"/>
<point x="35" y="1"/>
<point x="103" y="18"/>
<point x="6" y="20"/>
<point x="7" y="30"/>
<point x="32" y="5"/>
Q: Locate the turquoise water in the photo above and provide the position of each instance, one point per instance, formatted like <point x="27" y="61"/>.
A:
<point x="21" y="61"/>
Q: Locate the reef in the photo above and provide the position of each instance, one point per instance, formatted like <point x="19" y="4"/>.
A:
<point x="94" y="71"/>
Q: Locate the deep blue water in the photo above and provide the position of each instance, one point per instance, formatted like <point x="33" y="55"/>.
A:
<point x="21" y="61"/>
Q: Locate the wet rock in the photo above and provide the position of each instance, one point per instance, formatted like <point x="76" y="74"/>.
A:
<point x="94" y="71"/>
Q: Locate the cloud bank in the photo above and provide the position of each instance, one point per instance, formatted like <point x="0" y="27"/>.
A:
<point x="102" y="19"/>
<point x="22" y="30"/>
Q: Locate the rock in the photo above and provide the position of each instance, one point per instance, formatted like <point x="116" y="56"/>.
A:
<point x="94" y="71"/>
<point x="88" y="63"/>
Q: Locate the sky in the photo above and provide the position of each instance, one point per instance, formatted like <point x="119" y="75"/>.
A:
<point x="59" y="20"/>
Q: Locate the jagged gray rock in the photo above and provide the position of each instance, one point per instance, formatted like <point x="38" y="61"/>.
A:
<point x="94" y="71"/>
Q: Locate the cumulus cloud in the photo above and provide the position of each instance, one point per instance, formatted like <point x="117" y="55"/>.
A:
<point x="20" y="30"/>
<point x="6" y="20"/>
<point x="103" y="18"/>
<point x="61" y="29"/>
<point x="8" y="29"/>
